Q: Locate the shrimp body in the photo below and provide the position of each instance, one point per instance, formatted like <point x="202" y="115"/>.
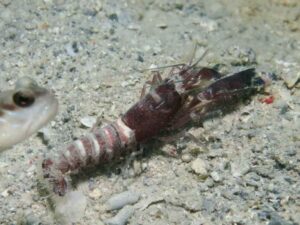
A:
<point x="185" y="94"/>
<point x="23" y="111"/>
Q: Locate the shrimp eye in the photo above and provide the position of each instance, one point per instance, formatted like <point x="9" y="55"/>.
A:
<point x="23" y="99"/>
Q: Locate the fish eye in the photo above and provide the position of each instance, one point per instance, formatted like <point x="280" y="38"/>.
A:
<point x="23" y="99"/>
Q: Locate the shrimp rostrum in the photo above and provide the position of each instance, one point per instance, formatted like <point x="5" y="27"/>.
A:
<point x="187" y="94"/>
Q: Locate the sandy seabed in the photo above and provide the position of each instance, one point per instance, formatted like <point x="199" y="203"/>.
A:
<point x="90" y="54"/>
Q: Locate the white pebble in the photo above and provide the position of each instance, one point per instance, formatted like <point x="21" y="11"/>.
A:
<point x="122" y="216"/>
<point x="208" y="24"/>
<point x="5" y="193"/>
<point x="186" y="157"/>
<point x="200" y="168"/>
<point x="118" y="201"/>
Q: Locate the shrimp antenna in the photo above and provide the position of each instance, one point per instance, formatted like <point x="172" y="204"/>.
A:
<point x="173" y="65"/>
<point x="191" y="66"/>
<point x="200" y="58"/>
<point x="160" y="67"/>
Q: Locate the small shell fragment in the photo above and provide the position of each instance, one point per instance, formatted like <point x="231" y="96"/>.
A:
<point x="88" y="121"/>
<point x="216" y="176"/>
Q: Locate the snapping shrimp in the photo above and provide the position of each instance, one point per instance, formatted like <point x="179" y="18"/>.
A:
<point x="187" y="94"/>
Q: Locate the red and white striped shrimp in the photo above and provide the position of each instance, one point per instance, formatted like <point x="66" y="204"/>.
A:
<point x="188" y="93"/>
